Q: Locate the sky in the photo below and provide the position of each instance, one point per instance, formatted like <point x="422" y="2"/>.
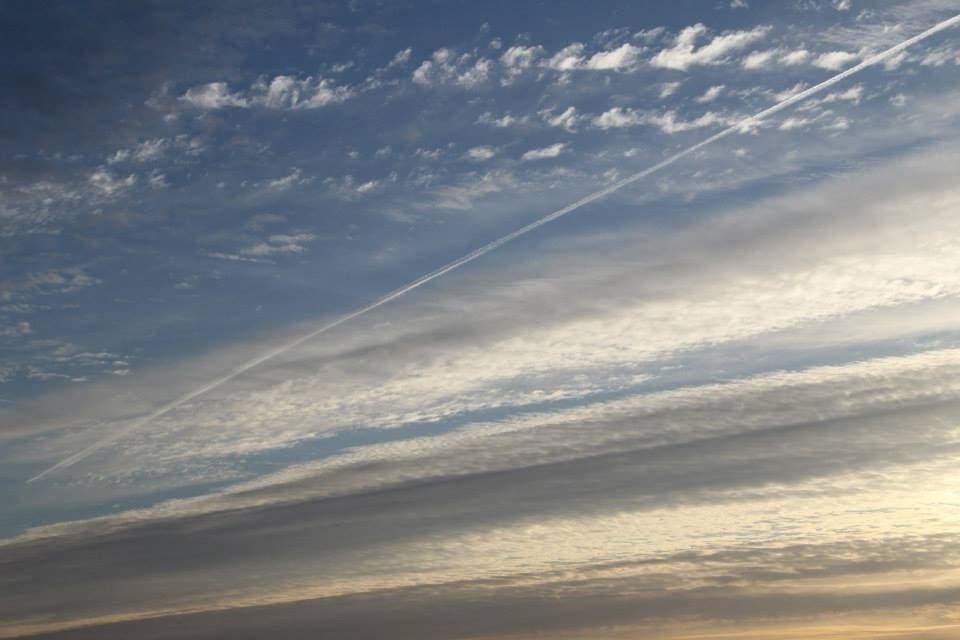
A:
<point x="441" y="319"/>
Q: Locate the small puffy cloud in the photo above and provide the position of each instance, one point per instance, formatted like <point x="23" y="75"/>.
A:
<point x="667" y="89"/>
<point x="445" y="67"/>
<point x="293" y="179"/>
<point x="573" y="57"/>
<point x="281" y="92"/>
<point x="798" y="56"/>
<point x="213" y="95"/>
<point x="280" y="243"/>
<point x="158" y="181"/>
<point x="684" y="52"/>
<point x="106" y="184"/>
<point x="401" y="57"/>
<point x="501" y="122"/>
<point x="45" y="283"/>
<point x="711" y="94"/>
<point x="624" y="57"/>
<point x="768" y="58"/>
<point x="668" y="122"/>
<point x="568" y="119"/>
<point x="287" y="92"/>
<point x="481" y="153"/>
<point x="470" y="189"/>
<point x="940" y="56"/>
<point x="739" y="4"/>
<point x="552" y="151"/>
<point x="853" y="94"/>
<point x="794" y="122"/>
<point x="834" y="60"/>
<point x="518" y="59"/>
<point x="568" y="58"/>
<point x="842" y="5"/>
<point x="17" y="330"/>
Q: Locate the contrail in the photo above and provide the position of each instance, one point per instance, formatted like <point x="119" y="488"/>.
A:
<point x="744" y="125"/>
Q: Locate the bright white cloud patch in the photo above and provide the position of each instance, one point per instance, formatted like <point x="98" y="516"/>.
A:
<point x="685" y="53"/>
<point x="279" y="92"/>
<point x="552" y="151"/>
<point x="835" y="60"/>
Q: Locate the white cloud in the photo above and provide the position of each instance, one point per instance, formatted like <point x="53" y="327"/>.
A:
<point x="106" y="184"/>
<point x="941" y="56"/>
<point x="711" y="94"/>
<point x="684" y="53"/>
<point x="567" y="119"/>
<point x="287" y="92"/>
<point x="768" y="58"/>
<point x="400" y="58"/>
<point x="281" y="93"/>
<point x="667" y="122"/>
<point x="470" y="189"/>
<point x="295" y="178"/>
<point x="502" y="122"/>
<point x="623" y="58"/>
<point x="280" y="243"/>
<point x="626" y="57"/>
<point x="835" y="60"/>
<point x="568" y="58"/>
<point x="54" y="281"/>
<point x="552" y="151"/>
<point x="16" y="330"/>
<point x="842" y="5"/>
<point x="481" y="153"/>
<point x="445" y="67"/>
<point x="739" y="4"/>
<point x="853" y="94"/>
<point x="214" y="95"/>
<point x="667" y="89"/>
<point x="518" y="59"/>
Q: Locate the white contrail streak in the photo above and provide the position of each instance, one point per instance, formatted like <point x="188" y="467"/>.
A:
<point x="744" y="125"/>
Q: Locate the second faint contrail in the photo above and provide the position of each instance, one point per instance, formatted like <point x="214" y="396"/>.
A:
<point x="743" y="125"/>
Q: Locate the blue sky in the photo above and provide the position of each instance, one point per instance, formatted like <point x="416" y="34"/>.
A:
<point x="741" y="370"/>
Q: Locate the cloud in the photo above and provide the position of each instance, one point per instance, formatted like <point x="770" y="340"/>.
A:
<point x="214" y="95"/>
<point x="710" y="94"/>
<point x="502" y="122"/>
<point x="551" y="151"/>
<point x="44" y="283"/>
<point x="107" y="185"/>
<point x="835" y="60"/>
<point x="445" y="67"/>
<point x="770" y="58"/>
<point x="626" y="57"/>
<point x="567" y="59"/>
<point x="481" y="153"/>
<point x="16" y="330"/>
<point x="295" y="178"/>
<point x="279" y="93"/>
<point x="623" y="58"/>
<point x="469" y="189"/>
<point x="518" y="59"/>
<point x="567" y="119"/>
<point x="684" y="53"/>
<point x="667" y="122"/>
<point x="280" y="243"/>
